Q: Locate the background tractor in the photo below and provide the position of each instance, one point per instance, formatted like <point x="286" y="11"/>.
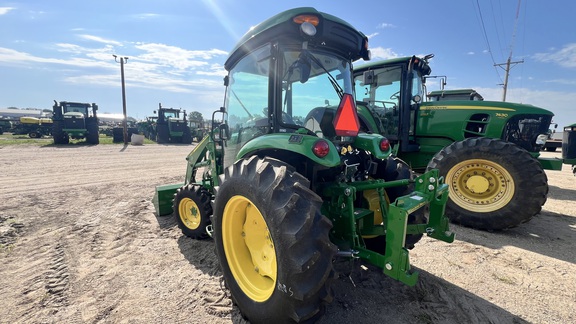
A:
<point x="148" y="127"/>
<point x="294" y="182"/>
<point x="488" y="152"/>
<point x="172" y="126"/>
<point x="32" y="126"/>
<point x="75" y="120"/>
<point x="5" y="125"/>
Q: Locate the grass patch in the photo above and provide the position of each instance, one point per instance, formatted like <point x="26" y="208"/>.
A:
<point x="9" y="139"/>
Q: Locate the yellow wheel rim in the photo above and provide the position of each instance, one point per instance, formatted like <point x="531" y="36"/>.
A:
<point x="189" y="213"/>
<point x="249" y="248"/>
<point x="480" y="185"/>
<point x="373" y="200"/>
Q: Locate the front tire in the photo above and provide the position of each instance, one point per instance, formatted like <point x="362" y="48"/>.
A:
<point x="162" y="134"/>
<point x="272" y="242"/>
<point x="493" y="184"/>
<point x="193" y="210"/>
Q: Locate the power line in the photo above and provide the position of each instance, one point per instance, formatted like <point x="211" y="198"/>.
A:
<point x="509" y="61"/>
<point x="486" y="38"/>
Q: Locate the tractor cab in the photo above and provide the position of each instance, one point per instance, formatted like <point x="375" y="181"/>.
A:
<point x="296" y="80"/>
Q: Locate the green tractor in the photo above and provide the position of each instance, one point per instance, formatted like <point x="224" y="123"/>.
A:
<point x="569" y="146"/>
<point x="147" y="127"/>
<point x="286" y="181"/>
<point x="75" y="120"/>
<point x="488" y="152"/>
<point x="5" y="125"/>
<point x="196" y="124"/>
<point x="172" y="126"/>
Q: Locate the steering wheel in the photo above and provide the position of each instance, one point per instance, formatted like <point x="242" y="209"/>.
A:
<point x="395" y="95"/>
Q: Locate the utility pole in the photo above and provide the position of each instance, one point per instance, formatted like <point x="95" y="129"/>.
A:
<point x="507" y="70"/>
<point x="508" y="62"/>
<point x="123" y="60"/>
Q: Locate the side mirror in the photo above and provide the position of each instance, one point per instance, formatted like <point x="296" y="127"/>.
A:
<point x="305" y="66"/>
<point x="368" y="78"/>
<point x="224" y="131"/>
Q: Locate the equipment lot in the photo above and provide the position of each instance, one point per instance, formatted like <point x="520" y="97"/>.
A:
<point x="80" y="243"/>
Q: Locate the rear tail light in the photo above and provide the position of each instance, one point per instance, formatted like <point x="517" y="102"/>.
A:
<point x="384" y="144"/>
<point x="321" y="148"/>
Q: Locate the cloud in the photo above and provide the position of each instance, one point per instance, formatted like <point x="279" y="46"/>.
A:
<point x="9" y="56"/>
<point x="372" y="35"/>
<point x="176" y="57"/>
<point x="5" y="10"/>
<point x="471" y="53"/>
<point x="100" y="40"/>
<point x="150" y="65"/>
<point x="383" y="53"/>
<point x="385" y="25"/>
<point x="563" y="57"/>
<point x="146" y="16"/>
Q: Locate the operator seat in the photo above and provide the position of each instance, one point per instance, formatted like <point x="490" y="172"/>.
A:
<point x="320" y="120"/>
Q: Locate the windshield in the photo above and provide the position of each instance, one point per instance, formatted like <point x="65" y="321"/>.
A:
<point x="308" y="80"/>
<point x="83" y="109"/>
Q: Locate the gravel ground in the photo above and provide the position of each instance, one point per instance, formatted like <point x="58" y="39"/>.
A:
<point x="80" y="243"/>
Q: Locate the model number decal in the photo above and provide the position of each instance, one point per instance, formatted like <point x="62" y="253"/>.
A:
<point x="501" y="115"/>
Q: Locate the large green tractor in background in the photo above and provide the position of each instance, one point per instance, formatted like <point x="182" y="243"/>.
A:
<point x="171" y="126"/>
<point x="488" y="152"/>
<point x="294" y="181"/>
<point x="75" y="120"/>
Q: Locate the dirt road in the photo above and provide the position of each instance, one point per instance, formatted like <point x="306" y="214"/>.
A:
<point x="80" y="243"/>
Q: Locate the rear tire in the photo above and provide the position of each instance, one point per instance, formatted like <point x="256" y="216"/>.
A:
<point x="493" y="184"/>
<point x="272" y="242"/>
<point x="192" y="209"/>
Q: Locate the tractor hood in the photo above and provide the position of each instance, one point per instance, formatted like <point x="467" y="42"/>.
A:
<point x="508" y="108"/>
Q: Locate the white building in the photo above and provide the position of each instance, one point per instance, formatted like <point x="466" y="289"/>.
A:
<point x="15" y="114"/>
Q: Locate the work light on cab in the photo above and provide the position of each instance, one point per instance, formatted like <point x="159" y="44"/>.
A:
<point x="321" y="148"/>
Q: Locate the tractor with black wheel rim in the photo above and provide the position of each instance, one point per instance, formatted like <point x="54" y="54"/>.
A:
<point x="171" y="126"/>
<point x="75" y="120"/>
<point x="490" y="180"/>
<point x="295" y="182"/>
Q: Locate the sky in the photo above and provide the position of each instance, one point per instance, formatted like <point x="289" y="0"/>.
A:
<point x="63" y="50"/>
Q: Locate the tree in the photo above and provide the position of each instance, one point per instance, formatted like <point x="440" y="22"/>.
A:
<point x="195" y="115"/>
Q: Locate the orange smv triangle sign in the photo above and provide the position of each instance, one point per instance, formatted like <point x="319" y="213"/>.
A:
<point x="346" y="121"/>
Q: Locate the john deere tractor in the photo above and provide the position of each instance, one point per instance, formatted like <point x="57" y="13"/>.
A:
<point x="172" y="126"/>
<point x="75" y="120"/>
<point x="488" y="152"/>
<point x="294" y="181"/>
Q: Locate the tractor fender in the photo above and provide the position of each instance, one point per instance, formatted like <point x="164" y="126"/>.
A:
<point x="294" y="143"/>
